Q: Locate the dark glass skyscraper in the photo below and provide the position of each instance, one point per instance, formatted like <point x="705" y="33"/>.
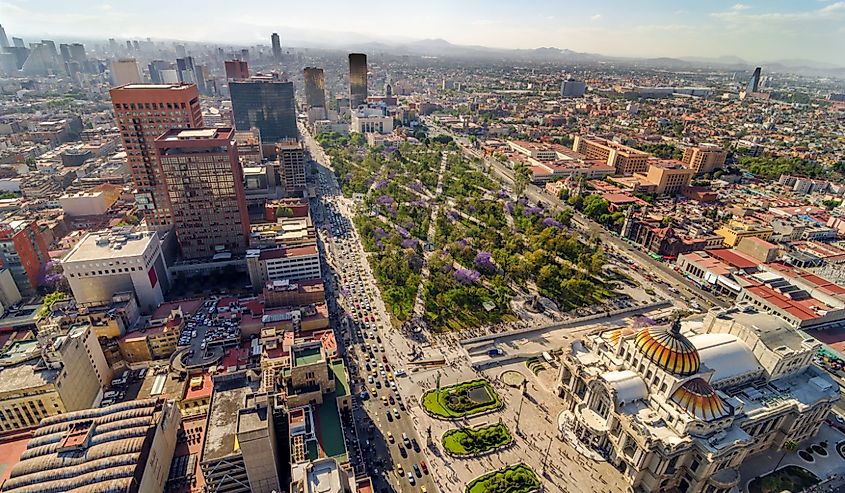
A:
<point x="315" y="90"/>
<point x="266" y="103"/>
<point x="754" y="81"/>
<point x="357" y="79"/>
<point x="277" y="46"/>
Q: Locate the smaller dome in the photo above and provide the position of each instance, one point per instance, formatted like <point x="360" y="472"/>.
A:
<point x="669" y="349"/>
<point x="698" y="398"/>
<point x="616" y="335"/>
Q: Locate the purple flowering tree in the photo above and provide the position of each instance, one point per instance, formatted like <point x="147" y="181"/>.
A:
<point x="509" y="207"/>
<point x="466" y="276"/>
<point x="409" y="243"/>
<point x="484" y="262"/>
<point x="534" y="211"/>
<point x="551" y="222"/>
<point x="403" y="232"/>
<point x="385" y="200"/>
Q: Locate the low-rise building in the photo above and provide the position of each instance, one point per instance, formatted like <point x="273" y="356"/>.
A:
<point x="371" y="118"/>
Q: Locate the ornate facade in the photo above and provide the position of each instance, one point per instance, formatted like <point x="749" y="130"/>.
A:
<point x="680" y="409"/>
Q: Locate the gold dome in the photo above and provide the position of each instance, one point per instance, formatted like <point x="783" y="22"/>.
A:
<point x="698" y="398"/>
<point x="669" y="349"/>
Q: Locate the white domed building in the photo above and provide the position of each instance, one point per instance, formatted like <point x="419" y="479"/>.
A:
<point x="679" y="408"/>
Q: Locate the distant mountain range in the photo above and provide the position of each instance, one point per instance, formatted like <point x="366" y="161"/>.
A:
<point x="442" y="48"/>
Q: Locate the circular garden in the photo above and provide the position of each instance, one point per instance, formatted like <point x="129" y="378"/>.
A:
<point x="461" y="400"/>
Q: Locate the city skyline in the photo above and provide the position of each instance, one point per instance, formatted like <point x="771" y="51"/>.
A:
<point x="754" y="30"/>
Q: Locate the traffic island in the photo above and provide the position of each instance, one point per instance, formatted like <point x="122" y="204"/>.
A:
<point x="461" y="400"/>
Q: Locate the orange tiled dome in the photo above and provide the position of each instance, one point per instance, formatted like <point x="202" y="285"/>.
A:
<point x="698" y="398"/>
<point x="669" y="349"/>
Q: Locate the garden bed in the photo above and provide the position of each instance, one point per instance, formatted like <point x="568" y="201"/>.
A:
<point x="518" y="478"/>
<point x="474" y="441"/>
<point x="461" y="400"/>
<point x="791" y="478"/>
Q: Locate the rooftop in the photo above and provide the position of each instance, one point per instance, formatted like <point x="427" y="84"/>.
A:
<point x="226" y="401"/>
<point x="306" y="355"/>
<point x="106" y="446"/>
<point x="104" y="245"/>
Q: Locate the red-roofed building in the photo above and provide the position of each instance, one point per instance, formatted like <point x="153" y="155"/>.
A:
<point x="803" y="300"/>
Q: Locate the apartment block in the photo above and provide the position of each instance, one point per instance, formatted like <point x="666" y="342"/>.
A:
<point x="705" y="158"/>
<point x="625" y="160"/>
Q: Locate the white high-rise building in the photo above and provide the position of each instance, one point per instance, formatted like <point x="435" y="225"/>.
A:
<point x="109" y="262"/>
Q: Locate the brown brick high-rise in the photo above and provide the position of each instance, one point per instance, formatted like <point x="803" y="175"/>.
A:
<point x="143" y="112"/>
<point x="205" y="188"/>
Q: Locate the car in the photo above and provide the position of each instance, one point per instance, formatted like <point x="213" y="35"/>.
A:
<point x="390" y="437"/>
<point x="424" y="467"/>
<point x="391" y="399"/>
<point x="402" y="451"/>
<point x="411" y="479"/>
<point x="406" y="440"/>
<point x="423" y="490"/>
<point x="373" y="391"/>
<point x="415" y="445"/>
<point x="389" y="416"/>
<point x="417" y="471"/>
<point x="384" y="400"/>
<point x="396" y="413"/>
<point x="364" y="395"/>
<point x="370" y="380"/>
<point x="399" y="470"/>
<point x="378" y="384"/>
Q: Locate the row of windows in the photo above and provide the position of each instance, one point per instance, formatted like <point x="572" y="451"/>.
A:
<point x="154" y="106"/>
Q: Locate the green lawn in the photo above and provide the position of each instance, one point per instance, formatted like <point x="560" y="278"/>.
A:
<point x="462" y="399"/>
<point x="469" y="441"/>
<point x="518" y="478"/>
<point x="789" y="478"/>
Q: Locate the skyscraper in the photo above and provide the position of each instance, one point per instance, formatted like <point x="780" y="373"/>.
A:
<point x="185" y="69"/>
<point x="125" y="71"/>
<point x="155" y="67"/>
<point x="266" y="103"/>
<point x="205" y="190"/>
<point x="315" y="91"/>
<point x="357" y="79"/>
<point x="236" y="70"/>
<point x="143" y="112"/>
<point x="754" y="81"/>
<point x="4" y="41"/>
<point x="77" y="52"/>
<point x="277" y="46"/>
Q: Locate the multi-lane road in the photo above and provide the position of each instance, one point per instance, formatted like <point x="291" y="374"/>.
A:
<point x="389" y="449"/>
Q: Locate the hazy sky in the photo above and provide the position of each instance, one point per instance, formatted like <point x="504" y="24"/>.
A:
<point x="758" y="30"/>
